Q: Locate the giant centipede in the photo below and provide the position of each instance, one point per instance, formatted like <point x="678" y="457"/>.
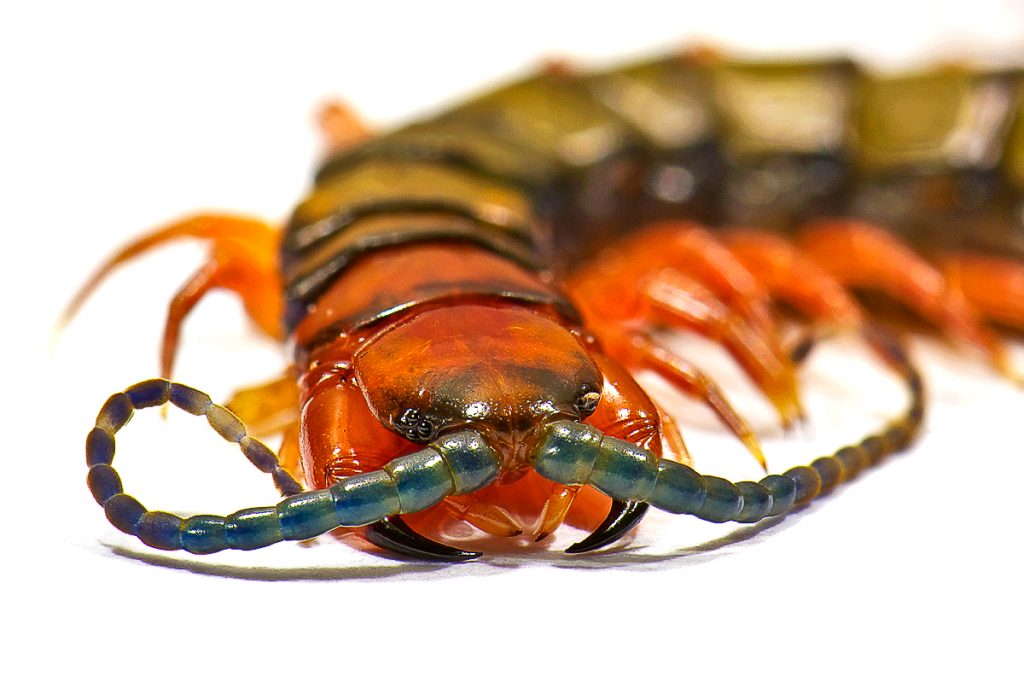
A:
<point x="468" y="297"/>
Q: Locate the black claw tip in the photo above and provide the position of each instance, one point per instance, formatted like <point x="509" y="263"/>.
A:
<point x="395" y="535"/>
<point x="622" y="517"/>
<point x="802" y="350"/>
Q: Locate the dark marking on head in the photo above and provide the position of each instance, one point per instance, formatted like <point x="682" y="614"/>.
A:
<point x="503" y="369"/>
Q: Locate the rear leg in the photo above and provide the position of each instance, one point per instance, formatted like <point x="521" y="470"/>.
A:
<point x="243" y="259"/>
<point x="862" y="255"/>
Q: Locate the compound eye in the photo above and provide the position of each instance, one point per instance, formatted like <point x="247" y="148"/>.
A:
<point x="587" y="401"/>
<point x="414" y="425"/>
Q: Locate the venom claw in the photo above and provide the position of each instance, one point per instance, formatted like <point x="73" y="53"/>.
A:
<point x="622" y="517"/>
<point x="395" y="535"/>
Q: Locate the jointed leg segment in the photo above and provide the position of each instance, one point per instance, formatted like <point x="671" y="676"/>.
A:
<point x="243" y="259"/>
<point x="861" y="255"/>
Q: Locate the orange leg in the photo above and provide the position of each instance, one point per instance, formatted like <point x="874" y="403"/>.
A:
<point x="617" y="307"/>
<point x="555" y="509"/>
<point x="619" y="292"/>
<point x="693" y="382"/>
<point x="488" y="517"/>
<point x="676" y="301"/>
<point x="289" y="455"/>
<point x="690" y="249"/>
<point x="243" y="259"/>
<point x="862" y="255"/>
<point x="793" y="278"/>
<point x="341" y="126"/>
<point x="674" y="446"/>
<point x="995" y="286"/>
<point x="269" y="408"/>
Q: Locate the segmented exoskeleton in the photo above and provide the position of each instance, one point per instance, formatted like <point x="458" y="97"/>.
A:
<point x="467" y="296"/>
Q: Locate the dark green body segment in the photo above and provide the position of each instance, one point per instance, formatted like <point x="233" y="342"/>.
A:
<point x="690" y="136"/>
<point x="450" y="143"/>
<point x="379" y="203"/>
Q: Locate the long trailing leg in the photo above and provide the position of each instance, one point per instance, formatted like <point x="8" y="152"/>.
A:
<point x="864" y="256"/>
<point x="243" y="259"/>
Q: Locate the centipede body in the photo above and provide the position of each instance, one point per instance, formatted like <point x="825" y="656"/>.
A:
<point x="912" y="564"/>
<point x="454" y="236"/>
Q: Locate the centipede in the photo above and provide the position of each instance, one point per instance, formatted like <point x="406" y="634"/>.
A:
<point x="468" y="298"/>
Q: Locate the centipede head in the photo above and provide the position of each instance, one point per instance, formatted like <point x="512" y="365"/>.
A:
<point x="501" y="370"/>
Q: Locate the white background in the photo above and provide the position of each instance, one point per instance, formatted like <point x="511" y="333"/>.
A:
<point x="115" y="118"/>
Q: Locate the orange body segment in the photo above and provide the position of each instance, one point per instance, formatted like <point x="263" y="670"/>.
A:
<point x="393" y="280"/>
